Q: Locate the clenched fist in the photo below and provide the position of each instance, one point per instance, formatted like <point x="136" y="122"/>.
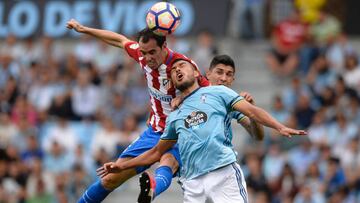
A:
<point x="73" y="24"/>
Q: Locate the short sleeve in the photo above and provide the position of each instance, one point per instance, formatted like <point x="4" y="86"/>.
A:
<point x="229" y="96"/>
<point x="237" y="116"/>
<point x="170" y="130"/>
<point x="132" y="49"/>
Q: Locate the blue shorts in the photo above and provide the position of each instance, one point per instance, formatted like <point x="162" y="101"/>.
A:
<point x="147" y="140"/>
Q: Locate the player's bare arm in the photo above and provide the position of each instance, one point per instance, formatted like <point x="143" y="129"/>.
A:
<point x="107" y="36"/>
<point x="255" y="129"/>
<point x="147" y="158"/>
<point x="261" y="116"/>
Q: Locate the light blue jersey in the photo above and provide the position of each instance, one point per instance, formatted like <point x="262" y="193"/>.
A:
<point x="201" y="129"/>
<point x="228" y="130"/>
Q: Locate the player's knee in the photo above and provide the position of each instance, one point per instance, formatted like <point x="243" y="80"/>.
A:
<point x="169" y="160"/>
<point x="110" y="182"/>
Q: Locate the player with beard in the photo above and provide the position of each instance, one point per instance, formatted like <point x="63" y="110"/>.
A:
<point x="198" y="126"/>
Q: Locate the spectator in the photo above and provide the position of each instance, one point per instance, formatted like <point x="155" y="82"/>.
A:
<point x="85" y="98"/>
<point x="287" y="39"/>
<point x="307" y="195"/>
<point x="7" y="130"/>
<point x="116" y="110"/>
<point x="252" y="19"/>
<point x="341" y="131"/>
<point x="352" y="71"/>
<point x="86" y="50"/>
<point x="278" y="110"/>
<point x="204" y="50"/>
<point x="301" y="157"/>
<point x="318" y="130"/>
<point x="57" y="160"/>
<point x="304" y="112"/>
<point x="63" y="135"/>
<point x="320" y="75"/>
<point x="325" y="29"/>
<point x="106" y="138"/>
<point x="334" y="178"/>
<point x="42" y="92"/>
<point x="107" y="58"/>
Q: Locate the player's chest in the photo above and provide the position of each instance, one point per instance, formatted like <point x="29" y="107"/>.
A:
<point x="159" y="79"/>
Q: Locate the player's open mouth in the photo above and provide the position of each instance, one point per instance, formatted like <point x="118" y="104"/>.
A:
<point x="179" y="76"/>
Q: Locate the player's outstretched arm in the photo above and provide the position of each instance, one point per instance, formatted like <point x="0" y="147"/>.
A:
<point x="147" y="158"/>
<point x="263" y="117"/>
<point x="255" y="129"/>
<point x="107" y="36"/>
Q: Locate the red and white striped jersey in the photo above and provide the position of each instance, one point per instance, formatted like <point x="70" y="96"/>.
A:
<point x="160" y="87"/>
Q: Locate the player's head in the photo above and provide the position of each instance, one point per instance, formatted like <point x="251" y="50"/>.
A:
<point x="221" y="71"/>
<point x="183" y="74"/>
<point x="152" y="47"/>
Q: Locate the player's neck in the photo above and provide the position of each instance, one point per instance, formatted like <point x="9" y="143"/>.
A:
<point x="164" y="53"/>
<point x="190" y="89"/>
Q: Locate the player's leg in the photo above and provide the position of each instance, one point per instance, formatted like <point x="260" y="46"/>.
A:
<point x="150" y="187"/>
<point x="227" y="185"/>
<point x="194" y="191"/>
<point x="99" y="190"/>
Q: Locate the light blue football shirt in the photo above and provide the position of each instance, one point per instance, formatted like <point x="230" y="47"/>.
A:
<point x="201" y="129"/>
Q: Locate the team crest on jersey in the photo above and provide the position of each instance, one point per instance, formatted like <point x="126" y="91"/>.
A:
<point x="195" y="119"/>
<point x="203" y="98"/>
<point x="166" y="83"/>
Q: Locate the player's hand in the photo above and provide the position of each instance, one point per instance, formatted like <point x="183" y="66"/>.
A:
<point x="247" y="96"/>
<point x="73" y="24"/>
<point x="107" y="168"/>
<point x="175" y="103"/>
<point x="289" y="132"/>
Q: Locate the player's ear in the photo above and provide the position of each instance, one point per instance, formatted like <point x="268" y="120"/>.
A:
<point x="208" y="72"/>
<point x="164" y="45"/>
<point x="197" y="74"/>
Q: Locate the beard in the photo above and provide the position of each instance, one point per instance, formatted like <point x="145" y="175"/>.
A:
<point x="185" y="85"/>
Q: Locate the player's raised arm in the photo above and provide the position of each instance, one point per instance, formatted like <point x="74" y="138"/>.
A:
<point x="107" y="36"/>
<point x="263" y="117"/>
<point x="147" y="158"/>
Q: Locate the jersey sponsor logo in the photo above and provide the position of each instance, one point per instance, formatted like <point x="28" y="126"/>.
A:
<point x="160" y="96"/>
<point x="134" y="46"/>
<point x="195" y="119"/>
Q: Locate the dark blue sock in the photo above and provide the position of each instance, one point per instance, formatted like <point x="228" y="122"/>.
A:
<point x="163" y="177"/>
<point x="94" y="194"/>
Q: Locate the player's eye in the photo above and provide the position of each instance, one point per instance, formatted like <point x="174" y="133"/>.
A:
<point x="230" y="74"/>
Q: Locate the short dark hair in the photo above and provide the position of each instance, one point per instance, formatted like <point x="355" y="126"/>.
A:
<point x="222" y="59"/>
<point x="146" y="34"/>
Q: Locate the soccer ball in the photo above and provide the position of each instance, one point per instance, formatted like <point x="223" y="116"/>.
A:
<point x="163" y="18"/>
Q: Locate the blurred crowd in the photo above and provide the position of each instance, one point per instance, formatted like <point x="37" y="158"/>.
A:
<point x="67" y="107"/>
<point x="312" y="59"/>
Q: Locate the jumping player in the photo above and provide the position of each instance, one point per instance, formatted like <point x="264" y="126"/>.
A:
<point x="221" y="72"/>
<point x="210" y="171"/>
<point x="154" y="58"/>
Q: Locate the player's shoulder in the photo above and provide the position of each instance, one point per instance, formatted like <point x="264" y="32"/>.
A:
<point x="132" y="45"/>
<point x="216" y="88"/>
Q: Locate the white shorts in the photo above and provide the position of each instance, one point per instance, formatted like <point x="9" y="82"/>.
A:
<point x="224" y="185"/>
